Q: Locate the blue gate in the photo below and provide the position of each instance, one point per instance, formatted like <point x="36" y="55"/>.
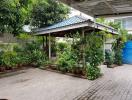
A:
<point x="127" y="53"/>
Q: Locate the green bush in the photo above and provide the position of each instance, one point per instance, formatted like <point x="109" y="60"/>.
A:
<point x="30" y="54"/>
<point x="9" y="59"/>
<point x="117" y="48"/>
<point x="61" y="46"/>
<point x="94" y="50"/>
<point x="1" y="53"/>
<point x="22" y="56"/>
<point x="118" y="57"/>
<point x="92" y="72"/>
<point x="109" y="57"/>
<point x="66" y="62"/>
<point x="30" y="46"/>
<point x="38" y="58"/>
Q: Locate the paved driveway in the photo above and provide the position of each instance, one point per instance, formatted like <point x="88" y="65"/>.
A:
<point x="36" y="84"/>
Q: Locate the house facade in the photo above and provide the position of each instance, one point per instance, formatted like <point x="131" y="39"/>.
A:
<point x="126" y="22"/>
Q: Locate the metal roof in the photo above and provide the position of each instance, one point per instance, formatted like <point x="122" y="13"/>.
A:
<point x="67" y="22"/>
<point x="105" y="8"/>
<point x="74" y="23"/>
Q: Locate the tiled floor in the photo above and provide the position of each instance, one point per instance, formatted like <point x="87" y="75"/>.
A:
<point x="36" y="84"/>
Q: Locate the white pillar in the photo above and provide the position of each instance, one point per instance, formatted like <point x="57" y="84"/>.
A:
<point x="49" y="47"/>
<point x="84" y="61"/>
<point x="103" y="47"/>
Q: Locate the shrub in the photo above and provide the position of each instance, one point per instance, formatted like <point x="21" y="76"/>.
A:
<point x="92" y="72"/>
<point x="117" y="48"/>
<point x="109" y="57"/>
<point x="30" y="46"/>
<point x="22" y="56"/>
<point x="66" y="62"/>
<point x="30" y="54"/>
<point x="1" y="53"/>
<point x="9" y="59"/>
<point x="118" y="57"/>
<point x="38" y="58"/>
<point x="94" y="50"/>
<point x="61" y="46"/>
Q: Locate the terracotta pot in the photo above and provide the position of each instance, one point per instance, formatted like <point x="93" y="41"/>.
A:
<point x="2" y="69"/>
<point x="111" y="66"/>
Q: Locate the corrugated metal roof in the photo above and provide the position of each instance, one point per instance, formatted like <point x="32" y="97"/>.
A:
<point x="74" y="23"/>
<point x="67" y="22"/>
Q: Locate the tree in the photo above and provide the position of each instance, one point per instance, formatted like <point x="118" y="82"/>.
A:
<point x="4" y="15"/>
<point x="13" y="15"/>
<point x="47" y="12"/>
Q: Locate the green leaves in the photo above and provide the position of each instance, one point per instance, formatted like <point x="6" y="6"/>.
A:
<point x="94" y="50"/>
<point x="66" y="60"/>
<point x="48" y="12"/>
<point x="109" y="57"/>
<point x="13" y="14"/>
<point x="9" y="58"/>
<point x="92" y="72"/>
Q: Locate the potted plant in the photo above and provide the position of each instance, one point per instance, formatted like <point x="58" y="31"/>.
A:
<point x="109" y="57"/>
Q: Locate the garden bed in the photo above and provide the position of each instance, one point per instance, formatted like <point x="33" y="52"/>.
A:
<point x="13" y="71"/>
<point x="53" y="68"/>
<point x="67" y="73"/>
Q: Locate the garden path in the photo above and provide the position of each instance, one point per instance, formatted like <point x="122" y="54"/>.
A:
<point x="36" y="84"/>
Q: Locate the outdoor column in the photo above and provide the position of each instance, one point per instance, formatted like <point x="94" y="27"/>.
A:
<point x="103" y="38"/>
<point x="43" y="43"/>
<point x="104" y="47"/>
<point x="83" y="48"/>
<point x="49" y="47"/>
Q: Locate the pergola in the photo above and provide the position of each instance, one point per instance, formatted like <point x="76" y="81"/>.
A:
<point x="102" y="8"/>
<point x="71" y="26"/>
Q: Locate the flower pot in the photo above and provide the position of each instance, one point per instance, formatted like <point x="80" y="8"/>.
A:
<point x="110" y="66"/>
<point x="2" y="69"/>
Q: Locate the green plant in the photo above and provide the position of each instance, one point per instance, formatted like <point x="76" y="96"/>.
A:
<point x="9" y="59"/>
<point x="38" y="58"/>
<point x="30" y="46"/>
<point x="66" y="61"/>
<point x="22" y="56"/>
<point x="1" y="53"/>
<point x="94" y="50"/>
<point x="118" y="57"/>
<point x="92" y="72"/>
<point x="30" y="54"/>
<point x="129" y="37"/>
<point x="109" y="58"/>
<point x="61" y="46"/>
<point x="117" y="48"/>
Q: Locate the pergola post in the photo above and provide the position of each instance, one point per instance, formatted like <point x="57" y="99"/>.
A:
<point x="49" y="46"/>
<point x="83" y="49"/>
<point x="104" y="48"/>
<point x="43" y="43"/>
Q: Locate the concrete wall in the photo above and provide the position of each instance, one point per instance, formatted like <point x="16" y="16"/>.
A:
<point x="108" y="43"/>
<point x="7" y="38"/>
